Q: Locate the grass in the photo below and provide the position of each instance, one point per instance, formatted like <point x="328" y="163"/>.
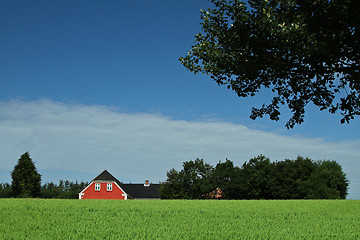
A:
<point x="179" y="219"/>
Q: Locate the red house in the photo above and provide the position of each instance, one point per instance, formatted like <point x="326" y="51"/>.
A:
<point x="106" y="186"/>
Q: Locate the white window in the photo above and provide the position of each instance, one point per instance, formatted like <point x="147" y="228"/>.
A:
<point x="109" y="187"/>
<point x="97" y="186"/>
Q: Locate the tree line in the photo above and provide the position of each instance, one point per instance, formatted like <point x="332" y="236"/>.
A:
<point x="26" y="182"/>
<point x="64" y="189"/>
<point x="259" y="178"/>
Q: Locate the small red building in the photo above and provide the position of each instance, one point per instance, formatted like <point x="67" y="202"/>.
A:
<point x="106" y="186"/>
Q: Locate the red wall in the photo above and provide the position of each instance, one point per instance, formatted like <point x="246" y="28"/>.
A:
<point x="90" y="192"/>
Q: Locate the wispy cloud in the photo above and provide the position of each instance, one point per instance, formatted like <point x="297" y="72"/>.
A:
<point x="134" y="146"/>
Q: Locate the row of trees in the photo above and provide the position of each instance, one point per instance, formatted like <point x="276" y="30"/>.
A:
<point x="65" y="189"/>
<point x="26" y="182"/>
<point x="259" y="178"/>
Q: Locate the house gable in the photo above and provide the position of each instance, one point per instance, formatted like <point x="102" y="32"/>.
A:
<point x="104" y="186"/>
<point x="90" y="192"/>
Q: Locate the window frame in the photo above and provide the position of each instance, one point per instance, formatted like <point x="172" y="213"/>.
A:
<point x="97" y="186"/>
<point x="109" y="187"/>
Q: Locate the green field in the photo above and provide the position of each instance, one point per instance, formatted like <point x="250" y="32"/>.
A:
<point x="179" y="219"/>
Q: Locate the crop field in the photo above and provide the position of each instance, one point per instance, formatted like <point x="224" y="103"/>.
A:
<point x="179" y="219"/>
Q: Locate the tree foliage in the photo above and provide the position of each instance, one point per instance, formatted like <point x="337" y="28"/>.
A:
<point x="328" y="181"/>
<point x="305" y="51"/>
<point x="259" y="178"/>
<point x="192" y="182"/>
<point x="26" y="181"/>
<point x="292" y="178"/>
<point x="65" y="189"/>
<point x="226" y="177"/>
<point x="5" y="190"/>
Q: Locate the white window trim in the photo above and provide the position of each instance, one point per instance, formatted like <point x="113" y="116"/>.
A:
<point x="97" y="186"/>
<point x="109" y="187"/>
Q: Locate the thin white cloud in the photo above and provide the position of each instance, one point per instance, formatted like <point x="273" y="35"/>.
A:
<point x="88" y="139"/>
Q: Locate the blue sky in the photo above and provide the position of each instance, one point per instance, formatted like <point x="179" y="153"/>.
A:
<point x="89" y="85"/>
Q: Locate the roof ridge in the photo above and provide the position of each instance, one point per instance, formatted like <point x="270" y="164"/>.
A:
<point x="105" y="175"/>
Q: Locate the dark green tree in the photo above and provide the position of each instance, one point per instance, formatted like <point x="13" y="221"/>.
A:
<point x="26" y="181"/>
<point x="65" y="189"/>
<point x="196" y="178"/>
<point x="304" y="178"/>
<point x="229" y="179"/>
<point x="50" y="190"/>
<point x="192" y="182"/>
<point x="173" y="187"/>
<point x="328" y="181"/>
<point x="292" y="178"/>
<point x="305" y="51"/>
<point x="5" y="190"/>
<point x="258" y="178"/>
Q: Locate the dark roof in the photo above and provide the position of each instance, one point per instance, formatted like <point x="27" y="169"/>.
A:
<point x="133" y="190"/>
<point x="105" y="175"/>
<point x="141" y="191"/>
